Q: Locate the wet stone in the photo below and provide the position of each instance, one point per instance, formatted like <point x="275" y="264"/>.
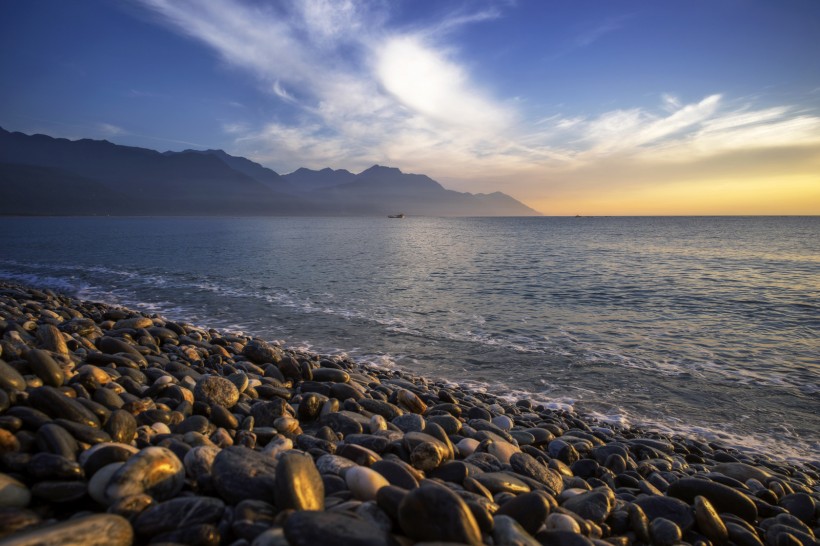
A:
<point x="45" y="367"/>
<point x="94" y="530"/>
<point x="669" y="508"/>
<point x="499" y="482"/>
<point x="526" y="465"/>
<point x="409" y="422"/>
<point x="724" y="498"/>
<point x="562" y="538"/>
<point x="709" y="521"/>
<point x="253" y="517"/>
<point x="664" y="532"/>
<point x="530" y="510"/>
<point x="260" y="352"/>
<point x="240" y="473"/>
<point x="800" y="505"/>
<point x="338" y="528"/>
<point x="155" y="471"/>
<point x="179" y="512"/>
<point x="594" y="506"/>
<point x="506" y="530"/>
<point x="121" y="426"/>
<point x="298" y="485"/>
<point x="395" y="474"/>
<point x="433" y="512"/>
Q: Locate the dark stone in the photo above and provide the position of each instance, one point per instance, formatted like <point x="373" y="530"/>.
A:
<point x="593" y="505"/>
<point x="298" y="485"/>
<point x="10" y="378"/>
<point x="49" y="466"/>
<point x="121" y="426"/>
<point x="251" y="518"/>
<point x="266" y="413"/>
<point x="530" y="510"/>
<point x="45" y="367"/>
<point x="433" y="512"/>
<point x="562" y="538"/>
<point x="56" y="404"/>
<point x="260" y="352"/>
<point x="338" y="528"/>
<point x="84" y="433"/>
<point x="499" y="482"/>
<point x="341" y="423"/>
<point x="800" y="505"/>
<point x="741" y="536"/>
<point x="153" y="470"/>
<point x="385" y="409"/>
<point x="358" y="454"/>
<point x="395" y="473"/>
<point x="176" y="513"/>
<point x="724" y="498"/>
<point x="343" y="391"/>
<point x="240" y="473"/>
<point x="60" y="490"/>
<point x="664" y="532"/>
<point x="670" y="508"/>
<point x="330" y="374"/>
<point x="103" y="455"/>
<point x="203" y="534"/>
<point x="310" y="406"/>
<point x="55" y="439"/>
<point x="529" y="466"/>
<point x="94" y="530"/>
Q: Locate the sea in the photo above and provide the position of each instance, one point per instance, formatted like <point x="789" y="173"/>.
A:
<point x="702" y="326"/>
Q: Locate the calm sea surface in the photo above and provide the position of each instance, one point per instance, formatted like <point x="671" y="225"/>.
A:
<point x="708" y="326"/>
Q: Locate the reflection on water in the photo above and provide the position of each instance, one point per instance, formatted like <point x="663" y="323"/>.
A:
<point x="691" y="322"/>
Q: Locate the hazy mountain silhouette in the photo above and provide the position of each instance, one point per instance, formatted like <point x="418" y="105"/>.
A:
<point x="44" y="175"/>
<point x="303" y="179"/>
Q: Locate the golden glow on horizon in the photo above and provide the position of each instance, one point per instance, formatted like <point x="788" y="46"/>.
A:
<point x="797" y="194"/>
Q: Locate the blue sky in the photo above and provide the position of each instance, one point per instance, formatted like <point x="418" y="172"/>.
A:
<point x="588" y="106"/>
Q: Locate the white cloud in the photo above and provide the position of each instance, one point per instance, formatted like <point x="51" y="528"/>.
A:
<point x="355" y="90"/>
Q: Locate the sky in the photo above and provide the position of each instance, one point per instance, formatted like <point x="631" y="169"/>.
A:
<point x="592" y="107"/>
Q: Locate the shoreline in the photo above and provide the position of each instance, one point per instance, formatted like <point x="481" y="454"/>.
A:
<point x="267" y="445"/>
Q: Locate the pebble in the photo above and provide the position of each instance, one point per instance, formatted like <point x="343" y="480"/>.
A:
<point x="93" y="530"/>
<point x="164" y="517"/>
<point x="723" y="497"/>
<point x="154" y="470"/>
<point x="217" y="391"/>
<point x="298" y="485"/>
<point x="433" y="512"/>
<point x="664" y="532"/>
<point x="203" y="437"/>
<point x="562" y="522"/>
<point x="364" y="482"/>
<point x="13" y="493"/>
<point x="709" y="522"/>
<point x="240" y="473"/>
<point x="508" y="532"/>
<point x="337" y="528"/>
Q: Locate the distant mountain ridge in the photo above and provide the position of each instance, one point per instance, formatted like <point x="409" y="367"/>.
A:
<point x="42" y="175"/>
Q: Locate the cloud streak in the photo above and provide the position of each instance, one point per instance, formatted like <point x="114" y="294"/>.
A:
<point x="352" y="90"/>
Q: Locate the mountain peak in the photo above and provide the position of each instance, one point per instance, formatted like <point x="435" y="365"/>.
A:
<point x="381" y="170"/>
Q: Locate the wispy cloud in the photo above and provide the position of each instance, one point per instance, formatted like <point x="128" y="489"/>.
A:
<point x="358" y="90"/>
<point x="110" y="129"/>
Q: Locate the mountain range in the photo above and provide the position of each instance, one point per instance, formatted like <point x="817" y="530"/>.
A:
<point x="42" y="175"/>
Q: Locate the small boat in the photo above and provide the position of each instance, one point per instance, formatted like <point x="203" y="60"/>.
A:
<point x="396" y="216"/>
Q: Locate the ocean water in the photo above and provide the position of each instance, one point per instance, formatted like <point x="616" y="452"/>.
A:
<point x="703" y="326"/>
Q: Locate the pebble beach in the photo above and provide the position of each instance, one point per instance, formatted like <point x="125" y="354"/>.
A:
<point x="119" y="427"/>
